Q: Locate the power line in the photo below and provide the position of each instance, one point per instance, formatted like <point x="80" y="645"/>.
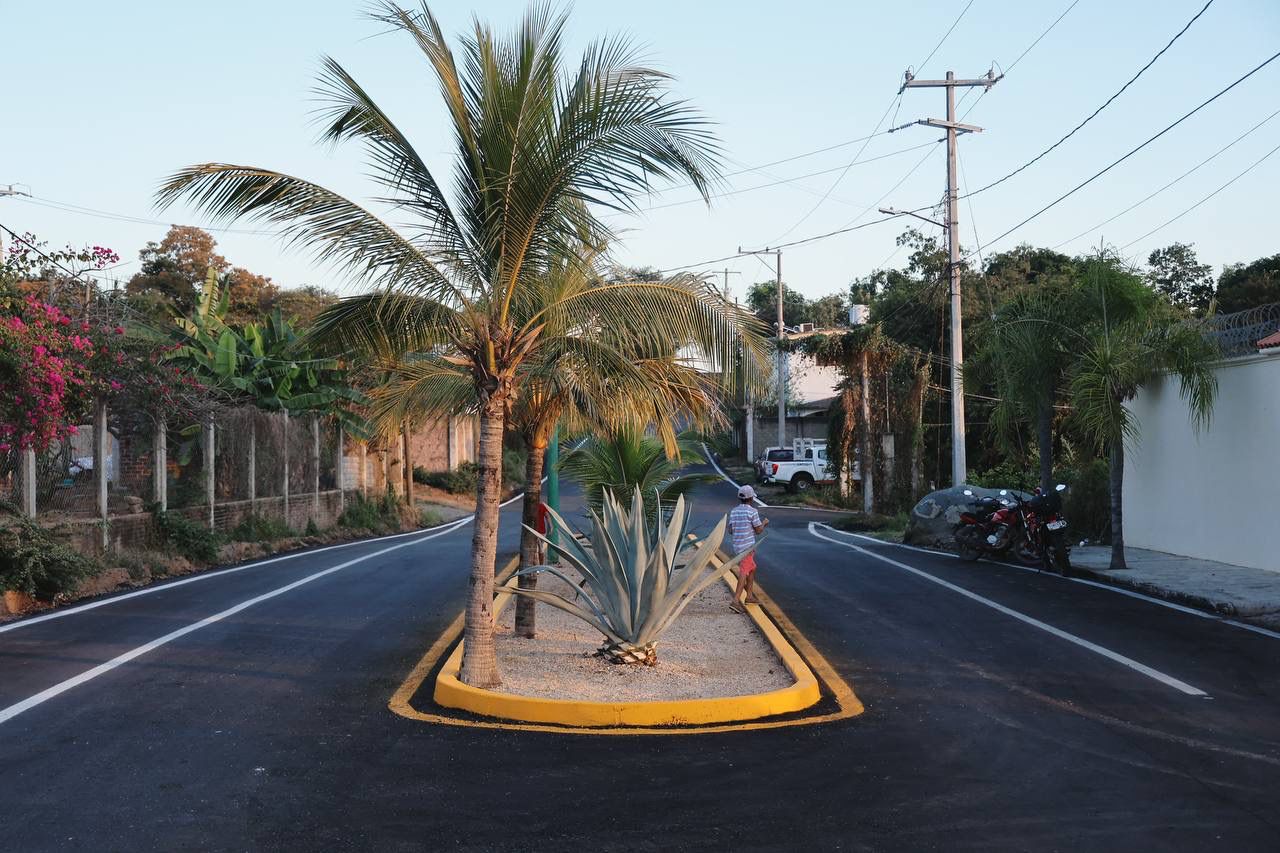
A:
<point x="1203" y="200"/>
<point x="1185" y="174"/>
<point x="1105" y="104"/>
<point x="1135" y="150"/>
<point x="781" y="181"/>
<point x="67" y="207"/>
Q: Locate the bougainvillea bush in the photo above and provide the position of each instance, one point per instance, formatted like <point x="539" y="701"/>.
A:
<point x="60" y="351"/>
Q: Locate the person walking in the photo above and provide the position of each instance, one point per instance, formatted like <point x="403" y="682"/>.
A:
<point x="744" y="525"/>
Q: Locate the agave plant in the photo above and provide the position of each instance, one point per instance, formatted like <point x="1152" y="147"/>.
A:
<point x="634" y="582"/>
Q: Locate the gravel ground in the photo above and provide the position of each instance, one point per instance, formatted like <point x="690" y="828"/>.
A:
<point x="709" y="651"/>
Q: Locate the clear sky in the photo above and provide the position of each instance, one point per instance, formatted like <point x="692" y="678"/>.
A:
<point x="104" y="99"/>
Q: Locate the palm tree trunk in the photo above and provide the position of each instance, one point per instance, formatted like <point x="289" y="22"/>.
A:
<point x="1044" y="437"/>
<point x="1117" y="512"/>
<point x="479" y="661"/>
<point x="526" y="614"/>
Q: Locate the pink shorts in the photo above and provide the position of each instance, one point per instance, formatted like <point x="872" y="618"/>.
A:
<point x="747" y="566"/>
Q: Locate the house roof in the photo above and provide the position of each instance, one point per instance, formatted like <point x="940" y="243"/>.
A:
<point x="1272" y="340"/>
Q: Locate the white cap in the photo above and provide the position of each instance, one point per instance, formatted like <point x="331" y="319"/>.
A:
<point x="746" y="493"/>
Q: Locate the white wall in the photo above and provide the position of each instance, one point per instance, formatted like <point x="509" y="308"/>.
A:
<point x="1211" y="495"/>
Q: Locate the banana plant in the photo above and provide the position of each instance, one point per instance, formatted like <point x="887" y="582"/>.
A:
<point x="635" y="582"/>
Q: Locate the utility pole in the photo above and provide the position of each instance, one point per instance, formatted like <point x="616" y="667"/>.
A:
<point x="959" y="471"/>
<point x="782" y="331"/>
<point x="5" y="191"/>
<point x="727" y="367"/>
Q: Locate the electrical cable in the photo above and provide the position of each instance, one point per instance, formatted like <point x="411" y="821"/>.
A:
<point x="1185" y="174"/>
<point x="781" y="181"/>
<point x="1105" y="104"/>
<point x="1133" y="151"/>
<point x="1255" y="165"/>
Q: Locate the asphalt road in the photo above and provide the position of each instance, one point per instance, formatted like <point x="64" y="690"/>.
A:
<point x="1005" y="710"/>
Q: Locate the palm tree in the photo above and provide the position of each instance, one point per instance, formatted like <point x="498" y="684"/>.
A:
<point x="1136" y="339"/>
<point x="539" y="144"/>
<point x="609" y="387"/>
<point x="629" y="459"/>
<point x="1029" y="349"/>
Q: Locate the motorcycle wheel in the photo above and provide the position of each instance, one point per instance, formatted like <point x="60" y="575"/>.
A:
<point x="1061" y="560"/>
<point x="1026" y="553"/>
<point x="964" y="548"/>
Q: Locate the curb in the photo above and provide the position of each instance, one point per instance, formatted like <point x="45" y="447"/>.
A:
<point x="1199" y="602"/>
<point x="450" y="692"/>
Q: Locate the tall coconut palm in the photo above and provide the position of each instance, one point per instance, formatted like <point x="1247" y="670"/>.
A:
<point x="1135" y="339"/>
<point x="540" y="144"/>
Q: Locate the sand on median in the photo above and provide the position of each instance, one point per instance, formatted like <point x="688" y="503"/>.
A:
<point x="708" y="651"/>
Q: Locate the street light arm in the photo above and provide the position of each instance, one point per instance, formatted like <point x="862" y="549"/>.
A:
<point x="892" y="212"/>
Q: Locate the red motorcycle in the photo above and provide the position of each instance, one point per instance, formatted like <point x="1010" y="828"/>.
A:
<point x="994" y="527"/>
<point x="1032" y="531"/>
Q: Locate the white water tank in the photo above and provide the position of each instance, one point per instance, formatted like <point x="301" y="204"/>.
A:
<point x="859" y="315"/>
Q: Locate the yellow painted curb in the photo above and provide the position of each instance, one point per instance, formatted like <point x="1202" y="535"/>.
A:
<point x="710" y="715"/>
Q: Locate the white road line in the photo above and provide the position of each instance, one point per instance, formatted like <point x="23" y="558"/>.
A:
<point x="14" y="710"/>
<point x="448" y="527"/>
<point x="1118" y="590"/>
<point x="1169" y="680"/>
<point x="706" y="452"/>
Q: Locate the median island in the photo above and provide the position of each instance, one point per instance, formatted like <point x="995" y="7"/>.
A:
<point x="635" y="629"/>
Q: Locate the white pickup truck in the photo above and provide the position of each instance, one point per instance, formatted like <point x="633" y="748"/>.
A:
<point x="809" y="465"/>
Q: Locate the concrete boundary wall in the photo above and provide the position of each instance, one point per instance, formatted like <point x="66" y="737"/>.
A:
<point x="1210" y="495"/>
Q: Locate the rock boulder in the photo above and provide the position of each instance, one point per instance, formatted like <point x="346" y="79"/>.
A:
<point x="936" y="515"/>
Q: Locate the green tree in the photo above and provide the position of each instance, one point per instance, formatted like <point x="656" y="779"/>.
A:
<point x="301" y="305"/>
<point x="1244" y="286"/>
<point x="541" y="142"/>
<point x="829" y="312"/>
<point x="762" y="299"/>
<point x="1176" y="272"/>
<point x="1132" y="340"/>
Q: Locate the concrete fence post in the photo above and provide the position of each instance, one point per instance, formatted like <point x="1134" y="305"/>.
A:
<point x="29" y="482"/>
<point x="340" y="473"/>
<point x="406" y="468"/>
<point x="364" y="469"/>
<point x="451" y="442"/>
<point x="315" y="468"/>
<point x="210" y="486"/>
<point x="160" y="463"/>
<point x="284" y="486"/>
<point x="101" y="448"/>
<point x="253" y="463"/>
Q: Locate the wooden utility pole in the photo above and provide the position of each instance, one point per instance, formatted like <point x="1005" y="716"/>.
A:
<point x="953" y="128"/>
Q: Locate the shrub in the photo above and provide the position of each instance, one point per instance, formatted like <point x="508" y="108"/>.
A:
<point x="260" y="528"/>
<point x="463" y="480"/>
<point x="429" y="518"/>
<point x="32" y="561"/>
<point x="513" y="468"/>
<point x="377" y="516"/>
<point x="189" y="538"/>
<point x="1006" y="475"/>
<point x="1087" y="504"/>
<point x="311" y="530"/>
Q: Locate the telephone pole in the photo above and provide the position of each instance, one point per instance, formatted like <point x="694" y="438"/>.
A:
<point x="959" y="471"/>
<point x="10" y="190"/>
<point x="782" y="331"/>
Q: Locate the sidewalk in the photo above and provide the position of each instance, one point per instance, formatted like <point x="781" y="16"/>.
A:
<point x="1227" y="590"/>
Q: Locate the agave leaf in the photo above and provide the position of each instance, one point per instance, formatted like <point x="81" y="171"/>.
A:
<point x="569" y="607"/>
<point x="600" y="614"/>
<point x="581" y="562"/>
